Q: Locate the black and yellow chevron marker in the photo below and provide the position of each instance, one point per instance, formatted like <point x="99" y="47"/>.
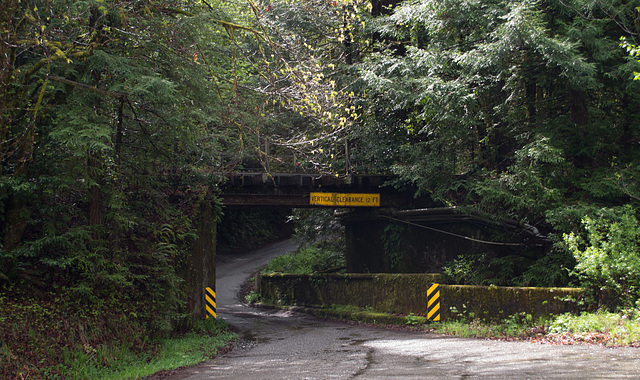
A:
<point x="433" y="302"/>
<point x="210" y="302"/>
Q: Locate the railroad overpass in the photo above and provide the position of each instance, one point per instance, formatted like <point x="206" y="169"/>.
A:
<point x="399" y="233"/>
<point x="294" y="190"/>
<point x="386" y="229"/>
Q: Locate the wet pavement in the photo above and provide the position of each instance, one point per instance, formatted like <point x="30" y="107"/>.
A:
<point x="288" y="345"/>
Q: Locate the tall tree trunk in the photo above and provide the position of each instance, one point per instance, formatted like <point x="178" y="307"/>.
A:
<point x="16" y="223"/>
<point x="578" y="110"/>
<point x="199" y="271"/>
<point x="119" y="130"/>
<point x="578" y="106"/>
<point x="7" y="10"/>
<point x="627" y="133"/>
<point x="95" y="193"/>
<point x="114" y="236"/>
<point x="531" y="89"/>
<point x="17" y="151"/>
<point x="383" y="7"/>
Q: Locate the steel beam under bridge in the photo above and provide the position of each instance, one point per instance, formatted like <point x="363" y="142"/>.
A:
<point x="293" y="190"/>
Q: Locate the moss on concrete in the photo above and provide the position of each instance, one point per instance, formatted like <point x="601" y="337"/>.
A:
<point x="492" y="302"/>
<point x="406" y="293"/>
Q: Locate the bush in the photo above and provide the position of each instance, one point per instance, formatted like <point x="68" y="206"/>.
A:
<point x="604" y="327"/>
<point x="317" y="227"/>
<point x="306" y="260"/>
<point x="608" y="257"/>
<point x="465" y="270"/>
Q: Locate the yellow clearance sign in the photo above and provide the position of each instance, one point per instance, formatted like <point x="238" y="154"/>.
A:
<point x="345" y="200"/>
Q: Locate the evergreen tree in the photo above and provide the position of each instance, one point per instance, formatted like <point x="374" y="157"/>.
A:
<point x="516" y="108"/>
<point x="116" y="118"/>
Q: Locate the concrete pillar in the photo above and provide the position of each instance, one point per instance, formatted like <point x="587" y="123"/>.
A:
<point x="365" y="251"/>
<point x="200" y="271"/>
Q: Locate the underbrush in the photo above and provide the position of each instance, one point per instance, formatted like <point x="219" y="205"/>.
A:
<point x="307" y="260"/>
<point x="200" y="344"/>
<point x="55" y="334"/>
<point x="612" y="329"/>
<point x="602" y="327"/>
<point x="521" y="325"/>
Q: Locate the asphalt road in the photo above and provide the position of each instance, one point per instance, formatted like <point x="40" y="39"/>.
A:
<point x="287" y="345"/>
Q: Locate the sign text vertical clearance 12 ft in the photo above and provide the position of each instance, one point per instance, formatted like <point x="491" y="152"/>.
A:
<point x="345" y="199"/>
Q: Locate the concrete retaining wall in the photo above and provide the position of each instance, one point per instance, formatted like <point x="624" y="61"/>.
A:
<point x="407" y="293"/>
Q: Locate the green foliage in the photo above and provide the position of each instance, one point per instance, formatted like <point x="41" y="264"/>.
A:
<point x="550" y="270"/>
<point x="107" y="337"/>
<point x="507" y="107"/>
<point x="306" y="260"/>
<point x="316" y="226"/>
<point x="517" y="321"/>
<point x="116" y="118"/>
<point x="603" y="328"/>
<point x="608" y="328"/>
<point x="521" y="325"/>
<point x="465" y="270"/>
<point x="508" y="270"/>
<point x="412" y="319"/>
<point x="520" y="109"/>
<point x="392" y="240"/>
<point x="251" y="297"/>
<point x="608" y="256"/>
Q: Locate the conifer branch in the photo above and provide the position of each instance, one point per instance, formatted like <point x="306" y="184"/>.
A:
<point x="68" y="55"/>
<point x="117" y="95"/>
<point x="229" y="26"/>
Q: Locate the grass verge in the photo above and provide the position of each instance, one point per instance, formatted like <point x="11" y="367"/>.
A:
<point x="609" y="329"/>
<point x="601" y="327"/>
<point x="123" y="362"/>
<point x="190" y="349"/>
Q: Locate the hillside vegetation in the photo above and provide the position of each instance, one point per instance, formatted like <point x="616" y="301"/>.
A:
<point x="120" y="118"/>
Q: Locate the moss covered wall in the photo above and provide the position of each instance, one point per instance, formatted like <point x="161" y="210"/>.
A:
<point x="406" y="293"/>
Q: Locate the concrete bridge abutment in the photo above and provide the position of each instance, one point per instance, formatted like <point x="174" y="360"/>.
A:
<point x="386" y="240"/>
<point x="365" y="251"/>
<point x="198" y="269"/>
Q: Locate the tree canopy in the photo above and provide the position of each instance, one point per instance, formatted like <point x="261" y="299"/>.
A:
<point x="520" y="109"/>
<point x="117" y="116"/>
<point x="509" y="107"/>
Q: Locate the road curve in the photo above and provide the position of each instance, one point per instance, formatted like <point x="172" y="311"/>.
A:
<point x="287" y="345"/>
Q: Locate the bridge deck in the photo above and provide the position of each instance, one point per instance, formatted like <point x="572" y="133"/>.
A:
<point x="310" y="181"/>
<point x="292" y="190"/>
